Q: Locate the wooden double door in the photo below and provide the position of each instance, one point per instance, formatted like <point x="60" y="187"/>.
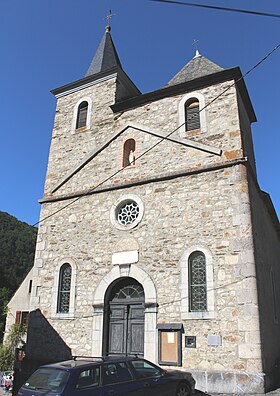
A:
<point x="126" y="318"/>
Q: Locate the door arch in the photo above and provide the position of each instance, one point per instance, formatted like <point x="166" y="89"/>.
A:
<point x="124" y="311"/>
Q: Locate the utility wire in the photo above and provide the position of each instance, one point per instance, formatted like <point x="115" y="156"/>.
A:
<point x="183" y="3"/>
<point x="88" y="192"/>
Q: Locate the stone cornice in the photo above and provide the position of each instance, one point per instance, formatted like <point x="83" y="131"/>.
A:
<point x="96" y="79"/>
<point x="81" y="84"/>
<point x="146" y="180"/>
<point x="198" y="83"/>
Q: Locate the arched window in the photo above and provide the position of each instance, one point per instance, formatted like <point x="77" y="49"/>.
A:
<point x="129" y="152"/>
<point x="64" y="286"/>
<point x="197" y="282"/>
<point x="192" y="118"/>
<point x="82" y="115"/>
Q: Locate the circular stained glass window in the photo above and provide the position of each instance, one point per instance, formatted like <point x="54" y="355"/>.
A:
<point x="128" y="212"/>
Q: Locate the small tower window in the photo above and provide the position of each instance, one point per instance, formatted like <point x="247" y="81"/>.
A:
<point x="129" y="152"/>
<point x="192" y="118"/>
<point x="197" y="282"/>
<point x="64" y="288"/>
<point x="82" y="115"/>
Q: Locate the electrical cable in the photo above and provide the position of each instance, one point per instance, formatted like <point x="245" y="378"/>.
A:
<point x="217" y="8"/>
<point x="88" y="192"/>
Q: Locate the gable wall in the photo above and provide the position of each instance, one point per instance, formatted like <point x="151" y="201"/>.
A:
<point x="19" y="302"/>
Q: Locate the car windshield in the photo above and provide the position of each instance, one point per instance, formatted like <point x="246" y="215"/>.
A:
<point x="49" y="379"/>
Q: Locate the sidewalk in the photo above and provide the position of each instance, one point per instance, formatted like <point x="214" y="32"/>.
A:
<point x="197" y="393"/>
<point x="275" y="392"/>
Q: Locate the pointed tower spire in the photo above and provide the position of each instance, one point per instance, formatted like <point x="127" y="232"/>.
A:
<point x="105" y="65"/>
<point x="197" y="67"/>
<point x="106" y="56"/>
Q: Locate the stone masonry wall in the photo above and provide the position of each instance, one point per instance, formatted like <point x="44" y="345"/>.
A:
<point x="267" y="253"/>
<point x="208" y="210"/>
<point x="68" y="149"/>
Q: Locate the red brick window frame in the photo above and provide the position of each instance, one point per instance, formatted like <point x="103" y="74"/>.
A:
<point x="129" y="149"/>
<point x="22" y="317"/>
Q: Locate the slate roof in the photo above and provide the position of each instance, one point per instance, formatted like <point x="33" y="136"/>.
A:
<point x="106" y="57"/>
<point x="197" y="67"/>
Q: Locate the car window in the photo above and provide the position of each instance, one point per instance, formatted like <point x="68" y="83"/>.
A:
<point x="145" y="369"/>
<point x="88" y="378"/>
<point x="49" y="379"/>
<point x="115" y="372"/>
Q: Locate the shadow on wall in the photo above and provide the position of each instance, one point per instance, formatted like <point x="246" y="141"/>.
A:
<point x="44" y="345"/>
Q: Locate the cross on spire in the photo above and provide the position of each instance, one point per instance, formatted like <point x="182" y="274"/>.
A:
<point x="109" y="17"/>
<point x="195" y="44"/>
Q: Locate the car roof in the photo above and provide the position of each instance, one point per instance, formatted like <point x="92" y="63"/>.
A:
<point x="81" y="361"/>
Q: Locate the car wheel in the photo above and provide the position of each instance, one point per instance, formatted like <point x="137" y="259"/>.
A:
<point x="183" y="389"/>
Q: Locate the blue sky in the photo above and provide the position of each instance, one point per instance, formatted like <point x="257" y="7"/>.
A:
<point x="48" y="43"/>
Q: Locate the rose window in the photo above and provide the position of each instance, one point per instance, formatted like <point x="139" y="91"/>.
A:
<point x="128" y="212"/>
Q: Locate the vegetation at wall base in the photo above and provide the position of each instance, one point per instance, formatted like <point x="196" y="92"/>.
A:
<point x="8" y="349"/>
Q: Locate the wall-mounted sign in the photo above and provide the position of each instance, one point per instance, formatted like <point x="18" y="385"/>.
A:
<point x="214" y="340"/>
<point x="190" y="342"/>
<point x="170" y="344"/>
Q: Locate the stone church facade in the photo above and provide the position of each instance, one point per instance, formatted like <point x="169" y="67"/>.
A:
<point x="155" y="237"/>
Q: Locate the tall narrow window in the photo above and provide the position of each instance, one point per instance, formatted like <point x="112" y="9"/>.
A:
<point x="129" y="152"/>
<point x="82" y="115"/>
<point x="192" y="118"/>
<point x="64" y="288"/>
<point x="197" y="282"/>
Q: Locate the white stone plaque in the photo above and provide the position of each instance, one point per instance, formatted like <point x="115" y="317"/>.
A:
<point x="129" y="257"/>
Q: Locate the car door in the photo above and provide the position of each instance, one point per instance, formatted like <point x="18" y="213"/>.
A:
<point x="151" y="378"/>
<point x="87" y="383"/>
<point x="117" y="380"/>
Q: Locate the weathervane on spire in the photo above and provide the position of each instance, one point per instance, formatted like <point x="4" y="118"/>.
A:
<point x="109" y="17"/>
<point x="195" y="43"/>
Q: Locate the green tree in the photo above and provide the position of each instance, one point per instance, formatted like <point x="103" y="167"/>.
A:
<point x="5" y="295"/>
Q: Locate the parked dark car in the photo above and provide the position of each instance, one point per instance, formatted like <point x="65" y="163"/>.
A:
<point x="108" y="376"/>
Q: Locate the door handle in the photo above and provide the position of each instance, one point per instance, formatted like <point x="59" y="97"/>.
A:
<point x="146" y="384"/>
<point x="112" y="392"/>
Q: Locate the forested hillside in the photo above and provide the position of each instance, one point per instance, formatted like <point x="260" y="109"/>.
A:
<point x="17" y="247"/>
